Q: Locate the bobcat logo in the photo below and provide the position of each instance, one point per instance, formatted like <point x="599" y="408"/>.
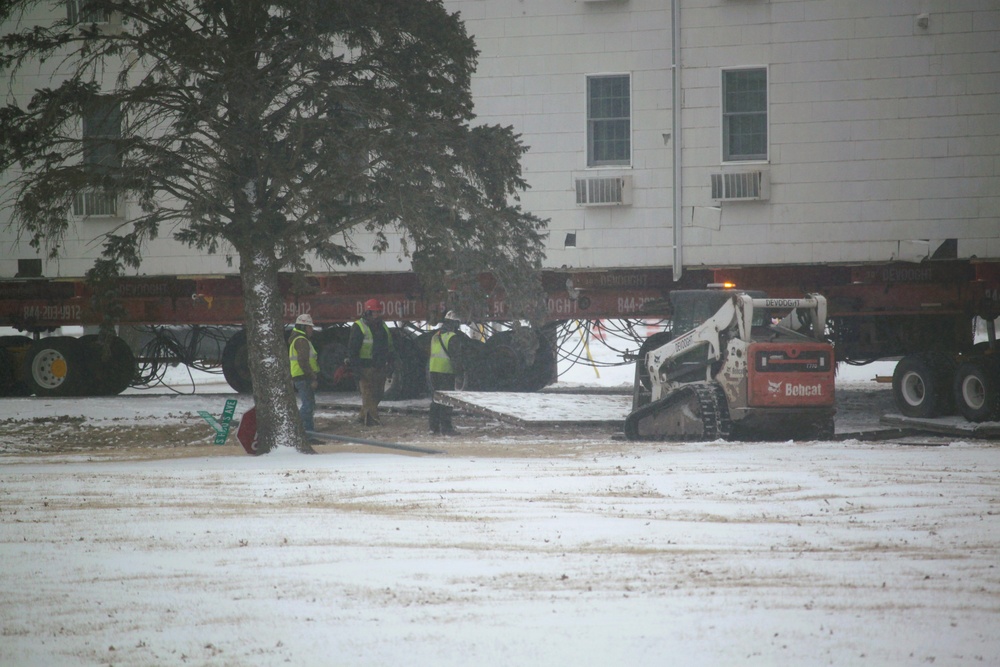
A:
<point x="774" y="387"/>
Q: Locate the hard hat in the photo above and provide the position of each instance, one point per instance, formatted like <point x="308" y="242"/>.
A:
<point x="305" y="319"/>
<point x="373" y="305"/>
<point x="452" y="315"/>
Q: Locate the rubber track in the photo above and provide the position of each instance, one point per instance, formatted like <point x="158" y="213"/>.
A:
<point x="712" y="406"/>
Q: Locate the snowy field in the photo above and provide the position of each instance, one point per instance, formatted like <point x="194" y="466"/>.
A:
<point x="600" y="553"/>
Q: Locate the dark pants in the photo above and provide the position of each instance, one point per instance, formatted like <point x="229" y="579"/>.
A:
<point x="305" y="391"/>
<point x="441" y="414"/>
<point x="371" y="382"/>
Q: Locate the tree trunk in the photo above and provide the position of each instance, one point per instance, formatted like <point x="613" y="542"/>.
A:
<point x="278" y="420"/>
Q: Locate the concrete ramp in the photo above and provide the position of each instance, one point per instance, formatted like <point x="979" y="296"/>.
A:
<point x="541" y="408"/>
<point x="949" y="426"/>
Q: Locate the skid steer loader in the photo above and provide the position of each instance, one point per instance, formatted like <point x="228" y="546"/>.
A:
<point x="736" y="365"/>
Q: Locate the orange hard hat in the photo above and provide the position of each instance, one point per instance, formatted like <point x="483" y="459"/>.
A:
<point x="373" y="305"/>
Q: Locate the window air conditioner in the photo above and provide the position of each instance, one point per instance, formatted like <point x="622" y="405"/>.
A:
<point x="741" y="186"/>
<point x="96" y="203"/>
<point x="613" y="191"/>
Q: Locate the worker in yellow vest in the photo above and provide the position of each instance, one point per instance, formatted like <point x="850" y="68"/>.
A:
<point x="305" y="368"/>
<point x="371" y="359"/>
<point x="442" y="365"/>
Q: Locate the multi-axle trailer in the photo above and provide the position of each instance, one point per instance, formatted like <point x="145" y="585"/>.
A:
<point x="924" y="314"/>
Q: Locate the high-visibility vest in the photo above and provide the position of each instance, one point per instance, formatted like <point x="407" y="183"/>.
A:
<point x="368" y="342"/>
<point x="440" y="361"/>
<point x="293" y="355"/>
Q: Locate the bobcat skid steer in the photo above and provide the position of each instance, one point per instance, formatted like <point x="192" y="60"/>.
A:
<point x="736" y="365"/>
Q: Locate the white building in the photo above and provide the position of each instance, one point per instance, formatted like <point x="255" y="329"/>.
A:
<point x="810" y="132"/>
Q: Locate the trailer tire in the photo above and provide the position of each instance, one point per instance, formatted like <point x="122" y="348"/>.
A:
<point x="512" y="367"/>
<point x="920" y="385"/>
<point x="235" y="365"/>
<point x="12" y="349"/>
<point x="55" y="367"/>
<point x="8" y="374"/>
<point x="407" y="379"/>
<point x="977" y="390"/>
<point x="109" y="374"/>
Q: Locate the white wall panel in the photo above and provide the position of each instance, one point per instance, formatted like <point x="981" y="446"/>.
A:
<point x="880" y="132"/>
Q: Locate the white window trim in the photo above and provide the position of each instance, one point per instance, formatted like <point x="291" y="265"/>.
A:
<point x="722" y="138"/>
<point x="586" y="123"/>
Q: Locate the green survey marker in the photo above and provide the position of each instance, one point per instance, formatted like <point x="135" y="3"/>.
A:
<point x="221" y="430"/>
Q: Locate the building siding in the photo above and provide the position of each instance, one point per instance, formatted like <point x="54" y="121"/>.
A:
<point x="883" y="136"/>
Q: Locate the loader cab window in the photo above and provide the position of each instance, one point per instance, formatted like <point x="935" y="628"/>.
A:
<point x="693" y="307"/>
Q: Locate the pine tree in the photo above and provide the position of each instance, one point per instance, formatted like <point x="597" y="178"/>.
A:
<point x="272" y="131"/>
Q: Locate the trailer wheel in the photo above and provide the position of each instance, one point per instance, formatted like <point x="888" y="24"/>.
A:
<point x="920" y="385"/>
<point x="55" y="367"/>
<point x="7" y="373"/>
<point x="521" y="360"/>
<point x="111" y="369"/>
<point x="407" y="379"/>
<point x="235" y="365"/>
<point x="12" y="350"/>
<point x="977" y="391"/>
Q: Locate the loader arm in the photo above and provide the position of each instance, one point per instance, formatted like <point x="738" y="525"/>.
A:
<point x="707" y="335"/>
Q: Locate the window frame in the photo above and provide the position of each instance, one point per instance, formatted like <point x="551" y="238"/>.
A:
<point x="100" y="156"/>
<point x="99" y="149"/>
<point x="725" y="156"/>
<point x="591" y="160"/>
<point x="77" y="16"/>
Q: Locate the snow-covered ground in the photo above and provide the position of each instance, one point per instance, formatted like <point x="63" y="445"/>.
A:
<point x="603" y="552"/>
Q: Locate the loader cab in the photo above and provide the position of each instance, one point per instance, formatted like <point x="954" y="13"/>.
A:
<point x="693" y="307"/>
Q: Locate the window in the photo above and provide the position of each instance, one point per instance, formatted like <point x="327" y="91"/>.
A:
<point x="77" y="11"/>
<point x="744" y="114"/>
<point x="609" y="124"/>
<point x="102" y="130"/>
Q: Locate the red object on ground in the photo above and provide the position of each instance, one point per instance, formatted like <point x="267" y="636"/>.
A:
<point x="247" y="433"/>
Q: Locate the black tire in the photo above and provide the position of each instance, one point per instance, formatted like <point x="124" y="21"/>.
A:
<point x="235" y="365"/>
<point x="511" y="365"/>
<point x="408" y="375"/>
<point x="12" y="351"/>
<point x="55" y="367"/>
<point x="977" y="390"/>
<point x="921" y="386"/>
<point x="111" y="367"/>
<point x="8" y="373"/>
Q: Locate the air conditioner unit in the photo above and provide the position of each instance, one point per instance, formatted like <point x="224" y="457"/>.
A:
<point x="96" y="204"/>
<point x="741" y="186"/>
<point x="608" y="191"/>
